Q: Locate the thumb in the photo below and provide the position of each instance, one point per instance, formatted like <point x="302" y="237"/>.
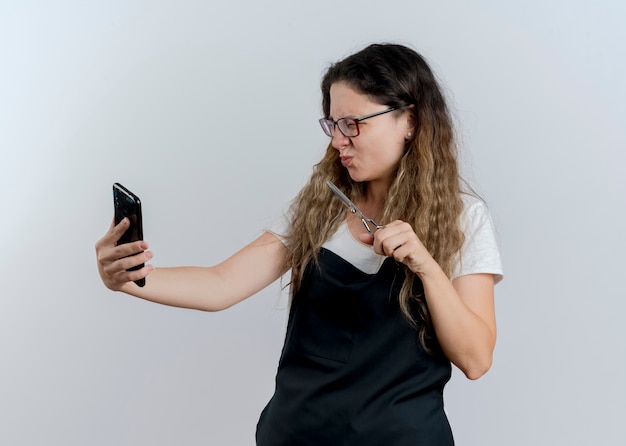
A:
<point x="367" y="238"/>
<point x="117" y="230"/>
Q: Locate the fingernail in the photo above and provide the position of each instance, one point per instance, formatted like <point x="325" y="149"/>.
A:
<point x="144" y="245"/>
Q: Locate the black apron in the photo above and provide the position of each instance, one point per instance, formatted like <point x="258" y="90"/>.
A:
<point x="352" y="370"/>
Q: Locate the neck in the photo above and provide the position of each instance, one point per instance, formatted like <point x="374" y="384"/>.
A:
<point x="375" y="196"/>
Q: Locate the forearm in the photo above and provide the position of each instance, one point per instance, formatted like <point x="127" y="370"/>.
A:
<point x="186" y="287"/>
<point x="466" y="338"/>
<point x="204" y="288"/>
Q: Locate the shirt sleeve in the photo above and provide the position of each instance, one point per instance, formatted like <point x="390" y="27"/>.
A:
<point x="480" y="253"/>
<point x="280" y="226"/>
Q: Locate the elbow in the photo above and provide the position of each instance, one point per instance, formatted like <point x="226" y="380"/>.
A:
<point x="214" y="307"/>
<point x="210" y="309"/>
<point x="477" y="369"/>
<point x="478" y="362"/>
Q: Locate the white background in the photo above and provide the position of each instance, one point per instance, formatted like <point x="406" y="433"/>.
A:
<point x="208" y="110"/>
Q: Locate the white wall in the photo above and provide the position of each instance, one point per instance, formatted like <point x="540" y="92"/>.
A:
<point x="208" y="111"/>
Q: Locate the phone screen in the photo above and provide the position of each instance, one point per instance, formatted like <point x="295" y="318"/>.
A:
<point x="127" y="204"/>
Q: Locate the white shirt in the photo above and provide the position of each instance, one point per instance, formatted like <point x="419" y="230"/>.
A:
<point x="479" y="254"/>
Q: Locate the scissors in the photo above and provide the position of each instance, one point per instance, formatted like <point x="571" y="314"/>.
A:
<point x="355" y="210"/>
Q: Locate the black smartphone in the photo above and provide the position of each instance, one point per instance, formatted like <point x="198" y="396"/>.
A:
<point x="127" y="204"/>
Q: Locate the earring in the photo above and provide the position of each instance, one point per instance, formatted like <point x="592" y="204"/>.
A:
<point x="408" y="135"/>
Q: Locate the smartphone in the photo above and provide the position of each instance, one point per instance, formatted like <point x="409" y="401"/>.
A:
<point x="127" y="204"/>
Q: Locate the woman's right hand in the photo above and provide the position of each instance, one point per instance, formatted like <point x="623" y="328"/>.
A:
<point x="114" y="260"/>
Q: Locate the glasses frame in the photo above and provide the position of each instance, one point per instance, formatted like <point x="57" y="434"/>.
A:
<point x="328" y="125"/>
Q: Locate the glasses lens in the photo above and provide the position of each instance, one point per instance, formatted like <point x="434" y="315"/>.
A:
<point x="348" y="127"/>
<point x="327" y="126"/>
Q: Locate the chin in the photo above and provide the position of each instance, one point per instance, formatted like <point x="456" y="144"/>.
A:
<point x="355" y="176"/>
<point x="357" y="179"/>
<point x="360" y="178"/>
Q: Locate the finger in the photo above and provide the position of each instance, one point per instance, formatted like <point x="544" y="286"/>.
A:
<point x="385" y="237"/>
<point x="377" y="244"/>
<point x="367" y="238"/>
<point x="122" y="265"/>
<point x="140" y="273"/>
<point x="393" y="224"/>
<point x="398" y="235"/>
<point x="131" y="276"/>
<point x="135" y="259"/>
<point x="117" y="231"/>
<point x="393" y="243"/>
<point x="108" y="253"/>
<point x="114" y="233"/>
<point x="402" y="253"/>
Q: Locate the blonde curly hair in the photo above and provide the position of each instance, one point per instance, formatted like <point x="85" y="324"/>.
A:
<point x="426" y="190"/>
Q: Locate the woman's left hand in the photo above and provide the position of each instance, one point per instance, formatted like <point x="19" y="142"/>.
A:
<point x="399" y="240"/>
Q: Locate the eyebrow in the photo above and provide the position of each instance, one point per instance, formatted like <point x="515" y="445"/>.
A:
<point x="343" y="117"/>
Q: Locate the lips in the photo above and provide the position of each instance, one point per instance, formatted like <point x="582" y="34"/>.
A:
<point x="346" y="161"/>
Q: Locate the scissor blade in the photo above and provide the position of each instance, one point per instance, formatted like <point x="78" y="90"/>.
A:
<point x="343" y="198"/>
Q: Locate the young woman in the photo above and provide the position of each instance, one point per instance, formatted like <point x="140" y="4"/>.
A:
<point x="378" y="312"/>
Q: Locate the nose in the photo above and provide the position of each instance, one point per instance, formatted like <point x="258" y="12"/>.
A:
<point x="339" y="140"/>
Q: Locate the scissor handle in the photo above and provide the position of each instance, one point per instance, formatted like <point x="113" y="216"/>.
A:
<point x="365" y="220"/>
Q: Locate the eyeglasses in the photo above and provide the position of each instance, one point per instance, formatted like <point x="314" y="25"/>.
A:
<point x="348" y="126"/>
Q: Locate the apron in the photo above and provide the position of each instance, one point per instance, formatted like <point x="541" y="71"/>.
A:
<point x="352" y="370"/>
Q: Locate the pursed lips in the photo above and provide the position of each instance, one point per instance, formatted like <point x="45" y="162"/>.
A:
<point x="346" y="160"/>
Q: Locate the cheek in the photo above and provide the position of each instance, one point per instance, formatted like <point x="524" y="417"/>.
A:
<point x="390" y="144"/>
<point x="393" y="152"/>
<point x="382" y="148"/>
